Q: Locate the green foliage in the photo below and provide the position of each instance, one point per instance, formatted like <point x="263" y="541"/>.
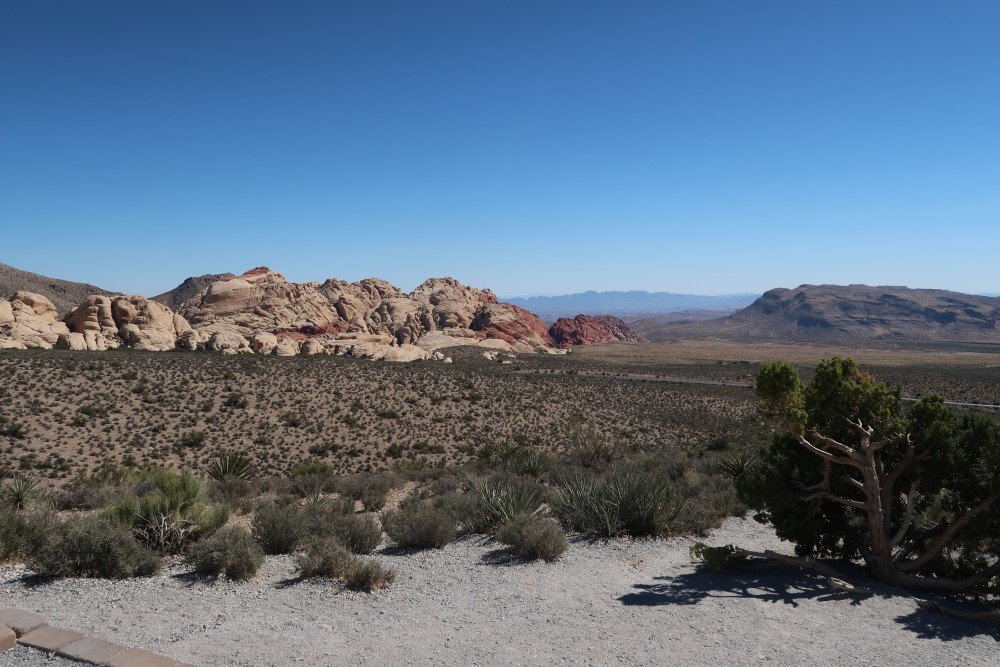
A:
<point x="366" y="574"/>
<point x="533" y="537"/>
<point x="504" y="499"/>
<point x="19" y="491"/>
<point x="12" y="429"/>
<point x="94" y="547"/>
<point x="325" y="557"/>
<point x="372" y="489"/>
<point x="468" y="511"/>
<point x="230" y="551"/>
<point x="717" y="558"/>
<point x="516" y="459"/>
<point x="171" y="512"/>
<point x="956" y="460"/>
<point x="625" y="501"/>
<point x="24" y="533"/>
<point x="419" y="525"/>
<point x="311" y="468"/>
<point x="235" y="465"/>
<point x="278" y="527"/>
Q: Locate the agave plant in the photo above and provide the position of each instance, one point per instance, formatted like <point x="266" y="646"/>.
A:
<point x="502" y="501"/>
<point x="231" y="464"/>
<point x="740" y="464"/>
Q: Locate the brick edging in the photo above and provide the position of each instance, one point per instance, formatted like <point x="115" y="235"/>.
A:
<point x="24" y="628"/>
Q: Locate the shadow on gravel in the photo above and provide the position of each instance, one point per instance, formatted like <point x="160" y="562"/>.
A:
<point x="928" y="624"/>
<point x="772" y="586"/>
<point x="504" y="558"/>
<point x="789" y="586"/>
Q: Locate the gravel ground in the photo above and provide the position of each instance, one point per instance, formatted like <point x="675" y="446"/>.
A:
<point x="628" y="602"/>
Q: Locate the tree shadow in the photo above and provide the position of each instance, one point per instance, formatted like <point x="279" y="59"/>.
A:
<point x="786" y="585"/>
<point x="928" y="624"/>
<point x="777" y="585"/>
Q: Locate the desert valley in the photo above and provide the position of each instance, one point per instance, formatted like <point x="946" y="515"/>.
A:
<point x="431" y="415"/>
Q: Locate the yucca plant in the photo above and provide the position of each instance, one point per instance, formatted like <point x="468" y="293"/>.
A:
<point x="623" y="502"/>
<point x="231" y="465"/>
<point x="19" y="491"/>
<point x="503" y="501"/>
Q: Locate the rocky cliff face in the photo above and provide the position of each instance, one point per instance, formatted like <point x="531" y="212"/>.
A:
<point x="591" y="330"/>
<point x="261" y="312"/>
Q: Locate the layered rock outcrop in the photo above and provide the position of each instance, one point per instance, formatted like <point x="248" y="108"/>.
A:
<point x="29" y="320"/>
<point x="262" y="313"/>
<point x="592" y="330"/>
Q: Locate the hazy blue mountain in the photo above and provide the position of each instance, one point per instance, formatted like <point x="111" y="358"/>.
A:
<point x="635" y="303"/>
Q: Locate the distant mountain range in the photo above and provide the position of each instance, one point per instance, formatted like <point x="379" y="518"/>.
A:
<point x="631" y="304"/>
<point x="846" y="312"/>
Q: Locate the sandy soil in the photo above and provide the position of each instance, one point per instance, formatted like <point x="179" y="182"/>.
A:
<point x="628" y="602"/>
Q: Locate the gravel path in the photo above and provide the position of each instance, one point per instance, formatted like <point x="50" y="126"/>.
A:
<point x="629" y="602"/>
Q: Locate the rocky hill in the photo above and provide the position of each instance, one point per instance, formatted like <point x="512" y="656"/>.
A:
<point x="592" y="330"/>
<point x="63" y="294"/>
<point x="190" y="288"/>
<point x="260" y="312"/>
<point x="844" y="312"/>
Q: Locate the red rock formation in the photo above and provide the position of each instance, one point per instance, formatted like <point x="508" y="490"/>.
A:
<point x="591" y="330"/>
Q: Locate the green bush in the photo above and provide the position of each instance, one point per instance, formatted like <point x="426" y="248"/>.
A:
<point x="360" y="534"/>
<point x="311" y="468"/>
<point x="325" y="557"/>
<point x="503" y="499"/>
<point x="230" y="551"/>
<point x="278" y="527"/>
<point x="168" y="511"/>
<point x="419" y="525"/>
<point x="372" y="489"/>
<point x="19" y="491"/>
<point x="231" y="465"/>
<point x="94" y="547"/>
<point x="468" y="511"/>
<point x="365" y="574"/>
<point x="625" y="501"/>
<point x="23" y="533"/>
<point x="533" y="537"/>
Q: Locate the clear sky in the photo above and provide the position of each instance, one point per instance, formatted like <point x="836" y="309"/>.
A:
<point x="532" y="147"/>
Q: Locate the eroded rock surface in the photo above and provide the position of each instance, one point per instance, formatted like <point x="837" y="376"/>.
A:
<point x="592" y="330"/>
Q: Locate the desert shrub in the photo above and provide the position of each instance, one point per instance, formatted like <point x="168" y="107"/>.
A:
<point x="105" y="487"/>
<point x="94" y="547"/>
<point x="625" y="501"/>
<point x="533" y="537"/>
<point x="278" y="527"/>
<point x="230" y="551"/>
<point x="502" y="499"/>
<point x="586" y="445"/>
<point x="360" y="534"/>
<point x="171" y="512"/>
<point x="419" y="525"/>
<point x="514" y="458"/>
<point x="372" y="489"/>
<point x="311" y="468"/>
<point x="468" y="512"/>
<point x="23" y="533"/>
<point x="325" y="557"/>
<point x="229" y="465"/>
<point x="366" y="574"/>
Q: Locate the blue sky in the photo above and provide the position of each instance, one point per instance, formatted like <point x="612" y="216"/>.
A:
<point x="531" y="147"/>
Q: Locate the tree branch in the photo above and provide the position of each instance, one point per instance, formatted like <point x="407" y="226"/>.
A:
<point x="773" y="559"/>
<point x="945" y="537"/>
<point x="823" y="495"/>
<point x="822" y="453"/>
<point x="911" y="500"/>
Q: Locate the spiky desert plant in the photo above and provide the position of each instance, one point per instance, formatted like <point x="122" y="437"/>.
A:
<point x="231" y="465"/>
